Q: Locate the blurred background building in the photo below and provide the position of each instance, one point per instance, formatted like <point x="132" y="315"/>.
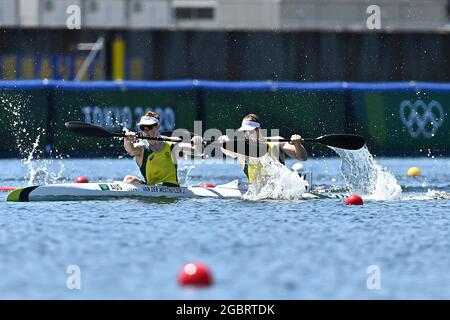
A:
<point x="295" y="40"/>
<point x="300" y="41"/>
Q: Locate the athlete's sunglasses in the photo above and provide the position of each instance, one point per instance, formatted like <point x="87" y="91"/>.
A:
<point x="147" y="127"/>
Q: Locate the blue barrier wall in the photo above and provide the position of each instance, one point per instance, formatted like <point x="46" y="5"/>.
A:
<point x="398" y="118"/>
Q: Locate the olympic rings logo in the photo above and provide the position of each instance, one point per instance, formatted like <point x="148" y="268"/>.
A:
<point x="421" y="118"/>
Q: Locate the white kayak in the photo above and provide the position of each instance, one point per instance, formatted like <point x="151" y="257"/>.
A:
<point x="118" y="189"/>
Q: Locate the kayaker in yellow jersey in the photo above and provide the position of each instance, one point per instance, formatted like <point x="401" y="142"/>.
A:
<point x="156" y="159"/>
<point x="251" y="125"/>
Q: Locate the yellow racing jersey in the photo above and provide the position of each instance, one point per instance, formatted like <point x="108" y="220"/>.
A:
<point x="159" y="166"/>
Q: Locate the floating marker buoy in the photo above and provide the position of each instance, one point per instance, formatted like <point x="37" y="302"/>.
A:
<point x="81" y="179"/>
<point x="7" y="189"/>
<point x="207" y="185"/>
<point x="354" y="199"/>
<point x="195" y="274"/>
<point x="413" y="172"/>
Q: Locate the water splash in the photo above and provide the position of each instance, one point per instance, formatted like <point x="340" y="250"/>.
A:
<point x="29" y="152"/>
<point x="366" y="177"/>
<point x="183" y="174"/>
<point x="38" y="171"/>
<point x="429" y="195"/>
<point x="28" y="162"/>
<point x="15" y="108"/>
<point x="434" y="194"/>
<point x="276" y="181"/>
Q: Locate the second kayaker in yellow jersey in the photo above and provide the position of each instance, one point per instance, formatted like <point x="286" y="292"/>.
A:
<point x="157" y="160"/>
<point x="251" y="125"/>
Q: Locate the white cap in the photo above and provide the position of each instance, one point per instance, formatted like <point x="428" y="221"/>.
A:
<point x="248" y="125"/>
<point x="147" y="121"/>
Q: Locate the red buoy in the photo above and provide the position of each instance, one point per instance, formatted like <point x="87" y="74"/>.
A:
<point x="207" y="185"/>
<point x="7" y="188"/>
<point x="195" y="274"/>
<point x="354" y="199"/>
<point x="82" y="179"/>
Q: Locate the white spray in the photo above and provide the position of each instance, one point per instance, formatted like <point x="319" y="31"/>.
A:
<point x="37" y="171"/>
<point x="276" y="182"/>
<point x="366" y="177"/>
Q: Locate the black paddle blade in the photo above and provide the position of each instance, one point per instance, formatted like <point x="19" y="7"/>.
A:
<point x="248" y="148"/>
<point x="342" y="141"/>
<point x="88" y="129"/>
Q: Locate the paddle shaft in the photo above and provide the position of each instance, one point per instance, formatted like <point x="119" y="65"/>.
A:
<point x="344" y="141"/>
<point x="248" y="148"/>
<point x="289" y="140"/>
<point x="173" y="139"/>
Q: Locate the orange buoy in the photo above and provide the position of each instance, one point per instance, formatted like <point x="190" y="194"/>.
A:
<point x="82" y="179"/>
<point x="354" y="199"/>
<point x="195" y="274"/>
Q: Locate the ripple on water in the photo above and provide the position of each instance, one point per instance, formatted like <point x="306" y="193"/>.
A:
<point x="256" y="249"/>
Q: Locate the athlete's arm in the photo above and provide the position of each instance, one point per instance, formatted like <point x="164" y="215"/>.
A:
<point x="228" y="153"/>
<point x="195" y="147"/>
<point x="295" y="149"/>
<point x="130" y="148"/>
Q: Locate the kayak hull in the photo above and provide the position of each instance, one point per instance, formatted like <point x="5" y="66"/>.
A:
<point x="84" y="191"/>
<point x="118" y="189"/>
